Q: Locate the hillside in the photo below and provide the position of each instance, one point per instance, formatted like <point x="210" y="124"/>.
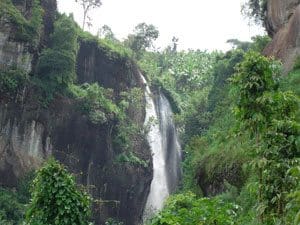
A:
<point x="95" y="130"/>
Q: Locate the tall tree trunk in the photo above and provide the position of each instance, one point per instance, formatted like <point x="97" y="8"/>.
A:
<point x="84" y="18"/>
<point x="85" y="10"/>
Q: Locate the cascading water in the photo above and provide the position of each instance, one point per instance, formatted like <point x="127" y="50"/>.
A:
<point x="171" y="146"/>
<point x="166" y="151"/>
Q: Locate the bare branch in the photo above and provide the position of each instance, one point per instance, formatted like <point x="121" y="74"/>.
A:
<point x="87" y="5"/>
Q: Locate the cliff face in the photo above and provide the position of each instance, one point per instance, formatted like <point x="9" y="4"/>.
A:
<point x="283" y="23"/>
<point x="12" y="52"/>
<point x="21" y="53"/>
<point x="30" y="133"/>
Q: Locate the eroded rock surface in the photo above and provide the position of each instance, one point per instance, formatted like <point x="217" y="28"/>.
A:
<point x="283" y="23"/>
<point x="13" y="53"/>
<point x="29" y="132"/>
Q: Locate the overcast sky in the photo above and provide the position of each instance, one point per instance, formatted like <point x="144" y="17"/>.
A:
<point x="199" y="24"/>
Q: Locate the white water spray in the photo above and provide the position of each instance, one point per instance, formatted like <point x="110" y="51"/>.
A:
<point x="165" y="148"/>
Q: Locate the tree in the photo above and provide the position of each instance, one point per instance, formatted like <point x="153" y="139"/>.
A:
<point x="270" y="115"/>
<point x="56" y="199"/>
<point x="143" y="37"/>
<point x="106" y="32"/>
<point x="254" y="77"/>
<point x="174" y="44"/>
<point x="259" y="43"/>
<point x="87" y="5"/>
<point x="255" y="10"/>
<point x="56" y="65"/>
<point x="237" y="44"/>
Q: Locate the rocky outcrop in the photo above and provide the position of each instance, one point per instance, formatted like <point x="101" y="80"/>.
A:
<point x="22" y="54"/>
<point x="24" y="144"/>
<point x="122" y="189"/>
<point x="50" y="10"/>
<point x="278" y="14"/>
<point x="13" y="53"/>
<point x="283" y="23"/>
<point x="29" y="133"/>
<point x="215" y="180"/>
<point x="100" y="64"/>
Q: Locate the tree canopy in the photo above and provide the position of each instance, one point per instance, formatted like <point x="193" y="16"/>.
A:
<point x="143" y="37"/>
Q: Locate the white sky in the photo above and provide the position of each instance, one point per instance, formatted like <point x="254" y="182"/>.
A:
<point x="199" y="24"/>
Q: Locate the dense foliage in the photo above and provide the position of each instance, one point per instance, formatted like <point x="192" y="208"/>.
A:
<point x="269" y="115"/>
<point x="12" y="80"/>
<point x="27" y="30"/>
<point x="13" y="201"/>
<point x="237" y="117"/>
<point x="244" y="155"/>
<point x="11" y="210"/>
<point x="143" y="38"/>
<point x="96" y="102"/>
<point x="185" y="79"/>
<point x="56" y="199"/>
<point x="56" y="65"/>
<point x="255" y="76"/>
<point x="187" y="209"/>
<point x="131" y="158"/>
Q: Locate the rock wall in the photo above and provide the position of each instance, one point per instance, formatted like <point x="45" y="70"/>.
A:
<point x="123" y="189"/>
<point x="283" y="23"/>
<point x="23" y="145"/>
<point x="97" y="64"/>
<point x="22" y="54"/>
<point x="30" y="133"/>
<point x="13" y="53"/>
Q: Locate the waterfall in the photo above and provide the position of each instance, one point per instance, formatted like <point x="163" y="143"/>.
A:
<point x="165" y="147"/>
<point x="171" y="146"/>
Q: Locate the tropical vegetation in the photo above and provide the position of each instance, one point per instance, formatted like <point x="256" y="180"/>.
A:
<point x="237" y="115"/>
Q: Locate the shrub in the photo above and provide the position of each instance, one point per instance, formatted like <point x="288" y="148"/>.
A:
<point x="11" y="210"/>
<point x="186" y="209"/>
<point x="255" y="75"/>
<point x="26" y="30"/>
<point x="56" y="199"/>
<point x="58" y="62"/>
<point x="96" y="102"/>
<point x="12" y="80"/>
<point x="113" y="49"/>
<point x="127" y="133"/>
<point x="133" y="98"/>
<point x="12" y="201"/>
<point x="57" y="66"/>
<point x="131" y="158"/>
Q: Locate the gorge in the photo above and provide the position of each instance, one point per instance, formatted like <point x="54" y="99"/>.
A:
<point x="146" y="135"/>
<point x="94" y="151"/>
